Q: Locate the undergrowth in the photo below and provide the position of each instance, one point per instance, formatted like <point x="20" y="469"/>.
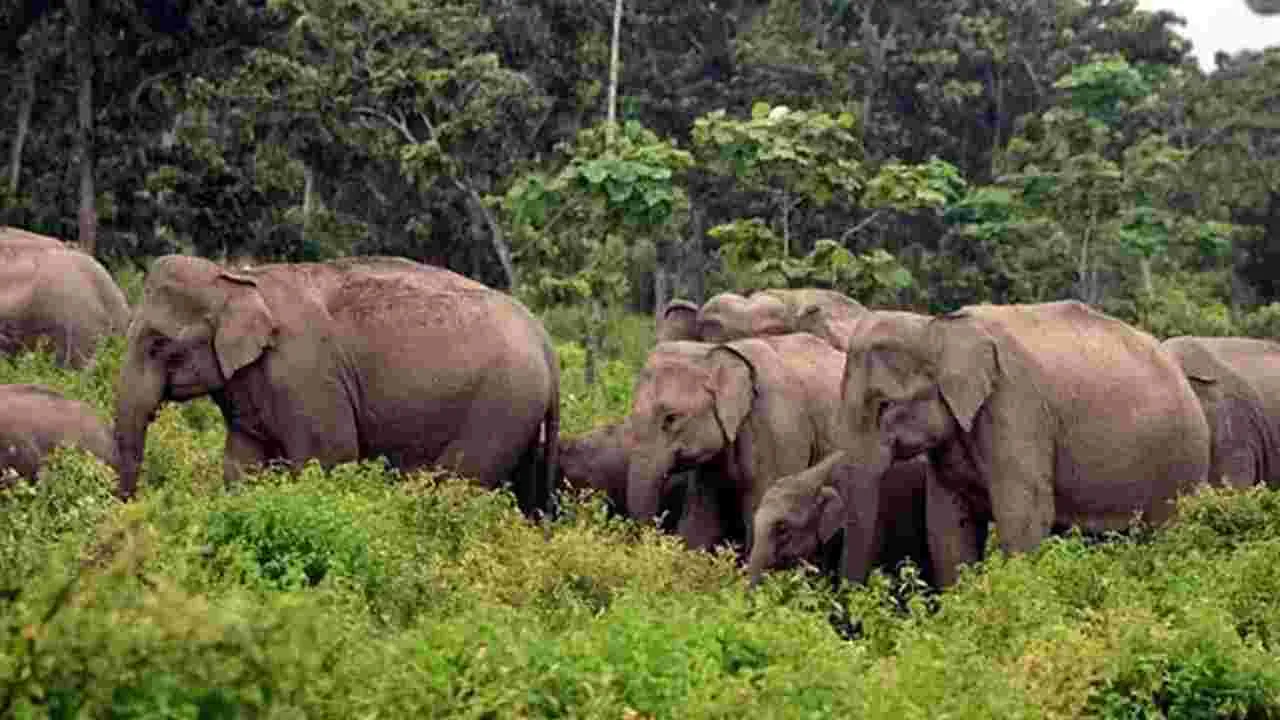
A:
<point x="365" y="592"/>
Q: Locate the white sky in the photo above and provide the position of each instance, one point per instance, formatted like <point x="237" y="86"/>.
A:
<point x="1214" y="25"/>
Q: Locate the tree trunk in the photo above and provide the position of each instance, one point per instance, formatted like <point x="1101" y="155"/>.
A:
<point x="82" y="51"/>
<point x="480" y="216"/>
<point x="611" y="113"/>
<point x="28" y="89"/>
<point x="308" y="199"/>
<point x="593" y="342"/>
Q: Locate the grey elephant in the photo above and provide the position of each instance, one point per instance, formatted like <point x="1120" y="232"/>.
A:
<point x="353" y="358"/>
<point x="740" y="414"/>
<point x="1264" y="7"/>
<point x="35" y="419"/>
<point x="1038" y="417"/>
<point x="58" y="294"/>
<point x="677" y="321"/>
<point x="598" y="460"/>
<point x="1238" y="383"/>
<point x="17" y="238"/>
<point x="883" y="519"/>
<point x="730" y="316"/>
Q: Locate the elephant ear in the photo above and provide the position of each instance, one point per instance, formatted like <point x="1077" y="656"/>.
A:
<point x="831" y="513"/>
<point x="733" y="386"/>
<point x="245" y="326"/>
<point x="968" y="365"/>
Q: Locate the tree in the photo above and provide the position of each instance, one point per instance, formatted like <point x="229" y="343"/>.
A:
<point x="574" y="226"/>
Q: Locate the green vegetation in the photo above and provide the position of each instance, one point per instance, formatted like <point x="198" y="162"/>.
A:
<point x="918" y="154"/>
<point x="363" y="592"/>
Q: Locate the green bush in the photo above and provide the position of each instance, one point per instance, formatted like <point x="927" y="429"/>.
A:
<point x="364" y="592"/>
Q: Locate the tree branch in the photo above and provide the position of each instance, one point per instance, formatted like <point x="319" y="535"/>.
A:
<point x="395" y="123"/>
<point x="856" y="228"/>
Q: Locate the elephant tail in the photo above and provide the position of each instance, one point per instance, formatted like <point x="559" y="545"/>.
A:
<point x="550" y="438"/>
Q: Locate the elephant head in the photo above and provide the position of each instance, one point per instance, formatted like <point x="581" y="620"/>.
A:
<point x="910" y="382"/>
<point x="690" y="402"/>
<point x="798" y="515"/>
<point x="729" y="316"/>
<point x="196" y="327"/>
<point x="679" y="321"/>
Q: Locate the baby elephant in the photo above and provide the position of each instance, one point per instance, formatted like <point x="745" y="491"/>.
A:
<point x="883" y="519"/>
<point x="598" y="460"/>
<point x="35" y="419"/>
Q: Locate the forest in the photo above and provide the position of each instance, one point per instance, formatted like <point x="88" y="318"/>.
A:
<point x="912" y="154"/>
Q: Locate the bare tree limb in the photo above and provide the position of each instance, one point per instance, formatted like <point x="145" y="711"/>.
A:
<point x="395" y="123"/>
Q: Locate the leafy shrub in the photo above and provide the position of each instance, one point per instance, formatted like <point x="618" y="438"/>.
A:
<point x="1264" y="322"/>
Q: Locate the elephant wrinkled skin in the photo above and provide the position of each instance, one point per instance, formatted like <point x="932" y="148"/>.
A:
<point x="353" y="358"/>
<point x="51" y="291"/>
<point x="1038" y="417"/>
<point x="740" y="414"/>
<point x="883" y="519"/>
<point x="1238" y="383"/>
<point x="35" y="419"/>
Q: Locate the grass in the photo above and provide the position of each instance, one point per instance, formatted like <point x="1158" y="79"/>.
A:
<point x="366" y="593"/>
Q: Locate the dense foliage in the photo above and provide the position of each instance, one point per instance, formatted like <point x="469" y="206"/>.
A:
<point x="921" y="154"/>
<point x="362" y="592"/>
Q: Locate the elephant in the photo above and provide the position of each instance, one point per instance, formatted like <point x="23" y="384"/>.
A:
<point x="1037" y="416"/>
<point x="741" y="414"/>
<point x="678" y="321"/>
<point x="35" y="419"/>
<point x="730" y="316"/>
<point x="883" y="519"/>
<point x="1238" y="383"/>
<point x="1264" y="7"/>
<point x="598" y="460"/>
<point x="17" y="238"/>
<point x="342" y="360"/>
<point x="58" y="294"/>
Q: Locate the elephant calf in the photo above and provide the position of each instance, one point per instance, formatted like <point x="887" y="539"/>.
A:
<point x="1238" y="383"/>
<point x="35" y="419"/>
<point x="883" y="519"/>
<point x="598" y="460"/>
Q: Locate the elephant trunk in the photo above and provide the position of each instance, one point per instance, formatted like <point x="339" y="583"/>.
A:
<point x="757" y="564"/>
<point x="140" y="391"/>
<point x="646" y="485"/>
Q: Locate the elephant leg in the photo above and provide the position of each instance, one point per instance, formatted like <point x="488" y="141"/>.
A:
<point x="700" y="523"/>
<point x="242" y="453"/>
<point x="955" y="531"/>
<point x="1239" y="468"/>
<point x="1020" y="479"/>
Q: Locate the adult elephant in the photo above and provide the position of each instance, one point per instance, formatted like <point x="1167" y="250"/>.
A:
<point x="15" y="238"/>
<point x="36" y="419"/>
<point x="55" y="294"/>
<point x="1238" y="383"/>
<point x="678" y="321"/>
<point x="1036" y="416"/>
<point x="779" y="311"/>
<point x="740" y="414"/>
<point x="883" y="519"/>
<point x="353" y="358"/>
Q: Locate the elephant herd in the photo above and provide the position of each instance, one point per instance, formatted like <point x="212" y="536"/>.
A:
<point x="804" y="426"/>
<point x="798" y="425"/>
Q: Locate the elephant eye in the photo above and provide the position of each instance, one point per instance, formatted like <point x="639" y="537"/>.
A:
<point x="780" y="528"/>
<point x="158" y="345"/>
<point x="881" y="408"/>
<point x="669" y="420"/>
